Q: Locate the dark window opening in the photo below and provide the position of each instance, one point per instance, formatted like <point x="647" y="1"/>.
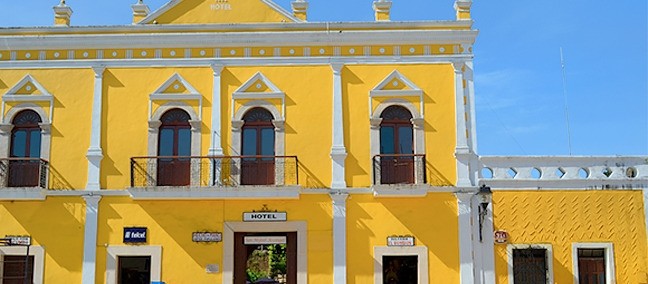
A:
<point x="134" y="270"/>
<point x="13" y="269"/>
<point x="530" y="266"/>
<point x="174" y="149"/>
<point x="591" y="266"/>
<point x="258" y="148"/>
<point x="400" y="269"/>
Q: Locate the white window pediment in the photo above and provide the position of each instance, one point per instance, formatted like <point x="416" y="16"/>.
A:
<point x="258" y="87"/>
<point x="28" y="89"/>
<point x="176" y="88"/>
<point x="396" y="85"/>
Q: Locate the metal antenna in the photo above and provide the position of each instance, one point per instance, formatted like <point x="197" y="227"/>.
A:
<point x="562" y="66"/>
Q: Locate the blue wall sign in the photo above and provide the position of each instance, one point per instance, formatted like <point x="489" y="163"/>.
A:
<point x="135" y="235"/>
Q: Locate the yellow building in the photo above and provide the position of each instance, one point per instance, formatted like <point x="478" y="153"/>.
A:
<point x="231" y="140"/>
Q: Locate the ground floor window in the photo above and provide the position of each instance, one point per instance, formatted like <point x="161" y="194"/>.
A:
<point x="591" y="266"/>
<point x="400" y="269"/>
<point x="593" y="263"/>
<point x="401" y="265"/>
<point x="530" y="266"/>
<point x="17" y="269"/>
<point x="134" y="269"/>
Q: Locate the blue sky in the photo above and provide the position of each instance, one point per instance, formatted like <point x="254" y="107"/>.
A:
<point x="519" y="89"/>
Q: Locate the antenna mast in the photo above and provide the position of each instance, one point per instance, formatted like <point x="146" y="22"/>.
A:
<point x="564" y="79"/>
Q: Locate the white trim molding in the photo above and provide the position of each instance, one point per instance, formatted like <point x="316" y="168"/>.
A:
<point x="410" y="90"/>
<point x="38" y="252"/>
<point x="548" y="258"/>
<point x="339" y="237"/>
<point x="114" y="252"/>
<point x="14" y="95"/>
<point x="338" y="150"/>
<point x="178" y="82"/>
<point x="610" y="275"/>
<point x="247" y="92"/>
<point x="45" y="125"/>
<point x="420" y="251"/>
<point x="229" y="228"/>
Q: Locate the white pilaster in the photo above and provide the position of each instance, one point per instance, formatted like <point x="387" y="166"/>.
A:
<point x="487" y="248"/>
<point x="95" y="153"/>
<point x="339" y="238"/>
<point x="338" y="151"/>
<point x="463" y="152"/>
<point x="216" y="148"/>
<point x="645" y="202"/>
<point x="466" y="260"/>
<point x="471" y="124"/>
<point x="88" y="271"/>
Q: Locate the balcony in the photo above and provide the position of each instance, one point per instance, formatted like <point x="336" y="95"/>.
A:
<point x="217" y="172"/>
<point x="23" y="173"/>
<point x="399" y="170"/>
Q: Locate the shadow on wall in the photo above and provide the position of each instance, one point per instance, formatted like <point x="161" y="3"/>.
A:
<point x="307" y="179"/>
<point x="56" y="225"/>
<point x="57" y="181"/>
<point x="435" y="177"/>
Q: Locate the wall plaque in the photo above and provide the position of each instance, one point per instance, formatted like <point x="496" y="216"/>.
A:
<point x="135" y="235"/>
<point x="400" y="241"/>
<point x="207" y="237"/>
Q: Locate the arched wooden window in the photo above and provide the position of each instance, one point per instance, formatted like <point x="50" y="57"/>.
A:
<point x="396" y="146"/>
<point x="25" y="150"/>
<point x="174" y="149"/>
<point x="258" y="148"/>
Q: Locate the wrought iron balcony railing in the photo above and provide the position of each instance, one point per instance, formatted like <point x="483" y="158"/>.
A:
<point x="215" y="171"/>
<point x="399" y="169"/>
<point x="23" y="172"/>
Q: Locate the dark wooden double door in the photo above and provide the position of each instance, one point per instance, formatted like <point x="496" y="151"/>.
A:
<point x="396" y="153"/>
<point x="244" y="255"/>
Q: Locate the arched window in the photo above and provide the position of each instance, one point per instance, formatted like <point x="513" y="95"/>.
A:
<point x="258" y="148"/>
<point x="174" y="149"/>
<point x="396" y="146"/>
<point x="25" y="150"/>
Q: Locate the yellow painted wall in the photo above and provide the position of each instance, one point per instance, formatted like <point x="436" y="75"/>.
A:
<point x="43" y="222"/>
<point x="436" y="81"/>
<point x="203" y="12"/>
<point x="308" y="124"/>
<point x="72" y="90"/>
<point x="433" y="220"/>
<point x="561" y="218"/>
<point x="171" y="223"/>
<point x="125" y="115"/>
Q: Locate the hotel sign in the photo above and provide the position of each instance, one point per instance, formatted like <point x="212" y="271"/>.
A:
<point x="265" y="216"/>
<point x="400" y="241"/>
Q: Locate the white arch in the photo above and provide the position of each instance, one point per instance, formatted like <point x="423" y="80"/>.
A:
<point x="45" y="125"/>
<point x="172" y="105"/>
<point x="154" y="127"/>
<point x="258" y="103"/>
<point x="416" y="114"/>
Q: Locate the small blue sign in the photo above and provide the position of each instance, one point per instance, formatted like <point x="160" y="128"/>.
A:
<point x="135" y="235"/>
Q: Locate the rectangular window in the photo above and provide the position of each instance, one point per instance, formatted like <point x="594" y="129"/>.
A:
<point x="591" y="266"/>
<point x="16" y="269"/>
<point x="134" y="269"/>
<point x="530" y="266"/>
<point x="400" y="269"/>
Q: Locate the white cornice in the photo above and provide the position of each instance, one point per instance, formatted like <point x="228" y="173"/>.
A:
<point x="250" y="27"/>
<point x="236" y="39"/>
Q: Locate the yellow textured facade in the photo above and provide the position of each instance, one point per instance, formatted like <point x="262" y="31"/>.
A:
<point x="563" y="218"/>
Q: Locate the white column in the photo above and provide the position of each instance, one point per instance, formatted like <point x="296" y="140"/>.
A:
<point x="339" y="238"/>
<point x="338" y="151"/>
<point x="88" y="270"/>
<point x="471" y="122"/>
<point x="216" y="148"/>
<point x="487" y="248"/>
<point x="462" y="150"/>
<point x="95" y="154"/>
<point x="466" y="261"/>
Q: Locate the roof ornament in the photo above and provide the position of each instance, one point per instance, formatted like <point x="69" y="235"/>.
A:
<point x="62" y="14"/>
<point x="140" y="11"/>
<point x="62" y="3"/>
<point x="382" y="9"/>
<point x="299" y="9"/>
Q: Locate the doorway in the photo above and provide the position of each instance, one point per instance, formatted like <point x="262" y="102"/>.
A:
<point x="265" y="258"/>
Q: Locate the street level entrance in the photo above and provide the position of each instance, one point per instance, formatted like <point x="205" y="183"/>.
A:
<point x="265" y="258"/>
